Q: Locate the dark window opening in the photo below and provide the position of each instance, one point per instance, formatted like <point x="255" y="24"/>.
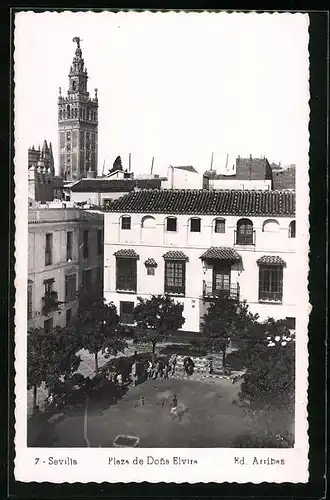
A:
<point x="292" y="229"/>
<point x="126" y="223"/>
<point x="195" y="225"/>
<point x="271" y="283"/>
<point x="150" y="271"/>
<point x="171" y="224"/>
<point x="126" y="275"/>
<point x="69" y="240"/>
<point x="85" y="244"/>
<point x="48" y="325"/>
<point x="291" y="323"/>
<point x="70" y="287"/>
<point x="175" y="277"/>
<point x="68" y="316"/>
<point x="219" y="226"/>
<point x="244" y="234"/>
<point x="49" y="249"/>
<point x="87" y="280"/>
<point x="126" y="312"/>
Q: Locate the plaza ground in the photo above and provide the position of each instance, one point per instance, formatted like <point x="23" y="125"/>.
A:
<point x="208" y="418"/>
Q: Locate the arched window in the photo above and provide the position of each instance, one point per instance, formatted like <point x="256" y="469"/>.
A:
<point x="68" y="111"/>
<point x="244" y="233"/>
<point x="219" y="225"/>
<point x="195" y="225"/>
<point x="292" y="229"/>
<point x="270" y="226"/>
<point x="148" y="221"/>
<point x="60" y="114"/>
<point x="171" y="224"/>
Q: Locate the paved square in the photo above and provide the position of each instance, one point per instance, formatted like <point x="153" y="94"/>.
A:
<point x="208" y="417"/>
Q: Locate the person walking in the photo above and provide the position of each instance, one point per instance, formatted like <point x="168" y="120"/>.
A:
<point x="174" y="408"/>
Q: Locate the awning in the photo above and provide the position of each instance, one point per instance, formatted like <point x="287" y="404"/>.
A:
<point x="175" y="255"/>
<point x="128" y="253"/>
<point x="271" y="260"/>
<point x="150" y="263"/>
<point x="221" y="253"/>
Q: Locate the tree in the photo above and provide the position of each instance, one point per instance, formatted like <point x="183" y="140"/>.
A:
<point x="99" y="327"/>
<point x="270" y="366"/>
<point x="117" y="165"/>
<point x="50" y="356"/>
<point x="224" y="321"/>
<point x="156" y="318"/>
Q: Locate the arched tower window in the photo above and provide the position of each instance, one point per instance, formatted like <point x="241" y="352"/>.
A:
<point x="68" y="111"/>
<point x="292" y="229"/>
<point x="244" y="233"/>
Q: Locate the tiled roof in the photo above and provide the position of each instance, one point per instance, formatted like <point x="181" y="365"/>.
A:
<point x="150" y="263"/>
<point x="114" y="185"/>
<point x="188" y="168"/>
<point x="127" y="252"/>
<point x="271" y="260"/>
<point x="205" y="202"/>
<point x="175" y="255"/>
<point x="222" y="253"/>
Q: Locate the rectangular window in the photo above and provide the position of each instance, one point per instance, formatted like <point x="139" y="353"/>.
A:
<point x="271" y="283"/>
<point x="70" y="287"/>
<point x="69" y="240"/>
<point x="99" y="242"/>
<point x="126" y="223"/>
<point x="195" y="225"/>
<point x="87" y="281"/>
<point x="29" y="302"/>
<point x="171" y="224"/>
<point x="126" y="312"/>
<point x="291" y="323"/>
<point x="221" y="278"/>
<point x="48" y="325"/>
<point x="175" y="276"/>
<point x="85" y="244"/>
<point x="219" y="226"/>
<point x="68" y="315"/>
<point x="48" y="286"/>
<point x="49" y="249"/>
<point x="126" y="274"/>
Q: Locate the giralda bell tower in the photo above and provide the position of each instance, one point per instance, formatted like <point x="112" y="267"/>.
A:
<point x="77" y="124"/>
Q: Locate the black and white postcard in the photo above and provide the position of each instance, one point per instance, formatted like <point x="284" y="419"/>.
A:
<point x="161" y="247"/>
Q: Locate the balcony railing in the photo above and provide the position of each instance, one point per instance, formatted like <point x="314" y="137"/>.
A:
<point x="50" y="303"/>
<point x="126" y="283"/>
<point x="244" y="239"/>
<point x="210" y="290"/>
<point x="270" y="296"/>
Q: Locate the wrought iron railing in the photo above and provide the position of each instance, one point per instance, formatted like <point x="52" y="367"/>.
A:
<point x="245" y="238"/>
<point x="211" y="290"/>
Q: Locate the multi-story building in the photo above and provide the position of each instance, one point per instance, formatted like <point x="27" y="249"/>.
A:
<point x="43" y="184"/>
<point x="179" y="177"/>
<point x="77" y="123"/>
<point x="65" y="254"/>
<point x="248" y="173"/>
<point x="192" y="244"/>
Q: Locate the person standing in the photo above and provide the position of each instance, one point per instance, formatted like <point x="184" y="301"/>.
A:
<point x="173" y="363"/>
<point x="134" y="373"/>
<point x="174" y="408"/>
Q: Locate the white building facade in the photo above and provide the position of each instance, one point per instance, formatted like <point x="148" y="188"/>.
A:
<point x="65" y="254"/>
<point x="192" y="244"/>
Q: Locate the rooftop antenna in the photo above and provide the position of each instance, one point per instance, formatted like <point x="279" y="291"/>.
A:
<point x="103" y="168"/>
<point x="129" y="162"/>
<point x="152" y="165"/>
<point x="211" y="161"/>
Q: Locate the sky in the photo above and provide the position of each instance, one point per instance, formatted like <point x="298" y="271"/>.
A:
<point x="173" y="86"/>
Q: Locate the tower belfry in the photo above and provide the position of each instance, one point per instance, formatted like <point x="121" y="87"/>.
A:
<point x="77" y="123"/>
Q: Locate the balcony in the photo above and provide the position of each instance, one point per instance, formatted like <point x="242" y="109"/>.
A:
<point x="211" y="291"/>
<point x="246" y="239"/>
<point x="50" y="303"/>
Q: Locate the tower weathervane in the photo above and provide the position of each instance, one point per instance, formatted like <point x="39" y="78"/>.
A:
<point x="78" y="40"/>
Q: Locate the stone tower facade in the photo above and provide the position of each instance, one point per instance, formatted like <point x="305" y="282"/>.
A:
<point x="77" y="124"/>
